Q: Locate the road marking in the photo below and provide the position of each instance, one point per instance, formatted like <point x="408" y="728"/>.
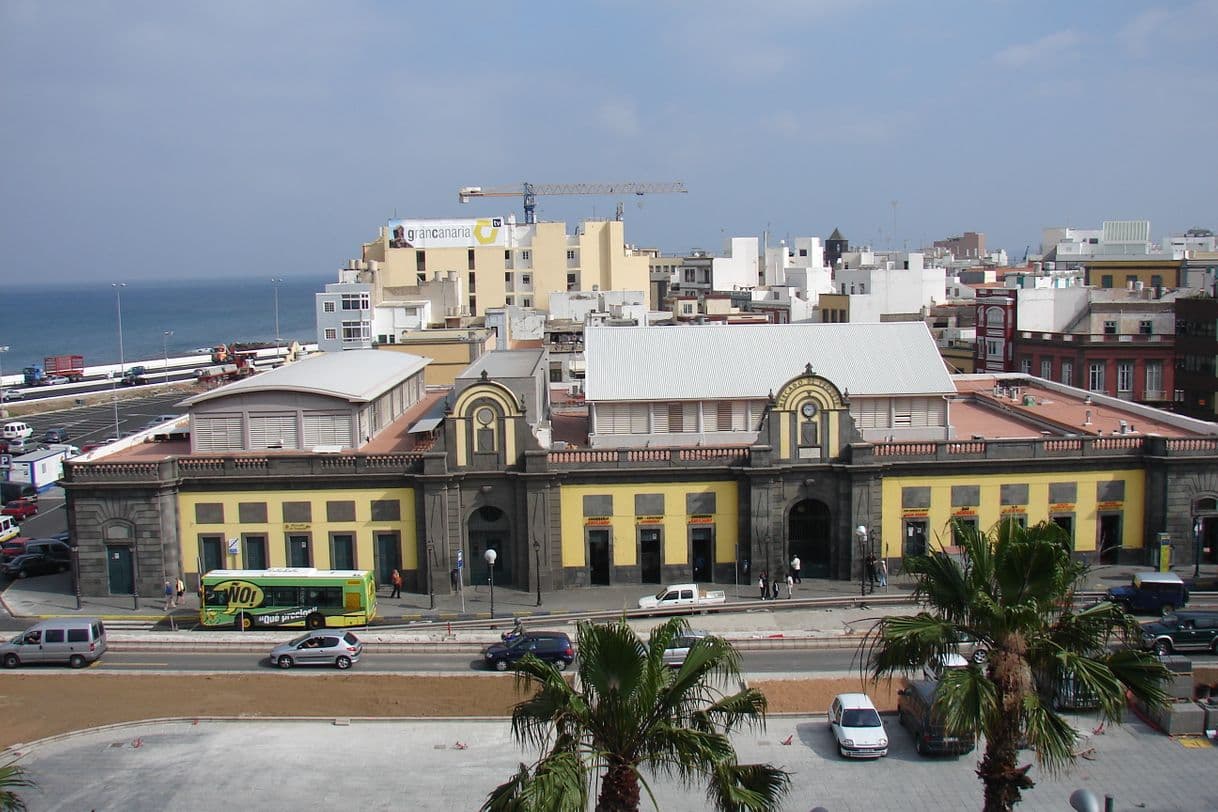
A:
<point x="113" y="664"/>
<point x="1194" y="742"/>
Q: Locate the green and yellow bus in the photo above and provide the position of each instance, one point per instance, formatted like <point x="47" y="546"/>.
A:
<point x="312" y="598"/>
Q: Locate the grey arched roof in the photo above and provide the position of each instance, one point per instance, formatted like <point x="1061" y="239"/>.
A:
<point x="358" y="376"/>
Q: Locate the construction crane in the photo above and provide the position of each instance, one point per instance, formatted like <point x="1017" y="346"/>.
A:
<point x="530" y="191"/>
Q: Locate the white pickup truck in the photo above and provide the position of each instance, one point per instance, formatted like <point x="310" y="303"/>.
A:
<point x="682" y="595"/>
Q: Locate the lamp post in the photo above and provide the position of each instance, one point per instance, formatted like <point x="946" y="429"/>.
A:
<point x="431" y="574"/>
<point x="165" y="334"/>
<point x="118" y="302"/>
<point x="1196" y="547"/>
<point x="3" y="350"/>
<point x="276" y="281"/>
<point x="76" y="572"/>
<point x="490" y="556"/>
<point x="861" y="533"/>
<point x="537" y="558"/>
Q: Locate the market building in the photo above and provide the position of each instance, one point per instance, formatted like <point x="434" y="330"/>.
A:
<point x="704" y="452"/>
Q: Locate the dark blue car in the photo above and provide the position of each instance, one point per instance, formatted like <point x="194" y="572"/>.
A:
<point x="1160" y="593"/>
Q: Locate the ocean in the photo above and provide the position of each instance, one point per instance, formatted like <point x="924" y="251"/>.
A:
<point x="82" y="319"/>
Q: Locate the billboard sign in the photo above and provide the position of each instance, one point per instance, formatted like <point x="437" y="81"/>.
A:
<point x="482" y="232"/>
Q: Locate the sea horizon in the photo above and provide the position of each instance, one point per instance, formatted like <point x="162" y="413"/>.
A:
<point x="82" y="317"/>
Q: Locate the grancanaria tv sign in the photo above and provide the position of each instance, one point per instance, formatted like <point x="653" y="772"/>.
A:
<point x="485" y="231"/>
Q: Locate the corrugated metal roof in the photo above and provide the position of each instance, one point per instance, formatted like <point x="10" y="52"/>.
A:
<point x="354" y="375"/>
<point x="749" y="361"/>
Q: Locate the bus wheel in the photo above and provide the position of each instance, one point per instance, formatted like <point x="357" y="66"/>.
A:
<point x="315" y="621"/>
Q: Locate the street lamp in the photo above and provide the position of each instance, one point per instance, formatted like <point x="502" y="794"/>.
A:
<point x="1196" y="546"/>
<point x="165" y="351"/>
<point x="118" y="300"/>
<point x="537" y="558"/>
<point x="490" y="556"/>
<point x="3" y="350"/>
<point x="861" y="532"/>
<point x="431" y="574"/>
<point x="276" y="281"/>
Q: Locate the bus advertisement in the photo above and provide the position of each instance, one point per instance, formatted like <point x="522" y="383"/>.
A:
<point x="272" y="598"/>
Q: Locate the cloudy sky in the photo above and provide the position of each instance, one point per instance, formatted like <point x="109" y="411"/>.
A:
<point x="224" y="138"/>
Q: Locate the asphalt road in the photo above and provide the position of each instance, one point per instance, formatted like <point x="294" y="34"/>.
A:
<point x="92" y="424"/>
<point x="809" y="662"/>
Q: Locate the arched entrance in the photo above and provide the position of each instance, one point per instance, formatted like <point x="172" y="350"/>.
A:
<point x="809" y="538"/>
<point x="488" y="529"/>
<point x="1205" y="530"/>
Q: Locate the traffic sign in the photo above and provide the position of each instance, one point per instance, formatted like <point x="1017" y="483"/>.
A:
<point x="460" y="560"/>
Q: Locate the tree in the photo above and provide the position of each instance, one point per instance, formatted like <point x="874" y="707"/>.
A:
<point x="1013" y="590"/>
<point x="627" y="710"/>
<point x="12" y="778"/>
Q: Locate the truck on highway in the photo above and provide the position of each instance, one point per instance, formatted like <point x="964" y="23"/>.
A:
<point x="56" y="367"/>
<point x="135" y="376"/>
<point x="682" y="595"/>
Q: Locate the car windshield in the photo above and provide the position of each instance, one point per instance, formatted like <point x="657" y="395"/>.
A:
<point x="860" y="717"/>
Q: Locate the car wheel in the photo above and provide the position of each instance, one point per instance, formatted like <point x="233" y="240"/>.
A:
<point x="76" y="661"/>
<point x="11" y="661"/>
<point x="501" y="665"/>
<point x="1162" y="647"/>
<point x="1167" y="609"/>
<point x="980" y="656"/>
<point x="315" y="621"/>
<point x="561" y="665"/>
<point x="284" y="661"/>
<point x="342" y="663"/>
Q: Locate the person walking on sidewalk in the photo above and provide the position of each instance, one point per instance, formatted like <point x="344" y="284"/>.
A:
<point x="790" y="584"/>
<point x="181" y="590"/>
<point x="168" y="594"/>
<point x="396" y="580"/>
<point x="763" y="583"/>
<point x="881" y="571"/>
<point x="795" y="565"/>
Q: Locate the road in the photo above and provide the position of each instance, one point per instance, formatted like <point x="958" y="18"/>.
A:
<point x="92" y="424"/>
<point x="805" y="662"/>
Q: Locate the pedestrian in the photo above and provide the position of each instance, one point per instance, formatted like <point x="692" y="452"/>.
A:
<point x="181" y="588"/>
<point x="882" y="571"/>
<point x="795" y="565"/>
<point x="396" y="580"/>
<point x="774" y="588"/>
<point x="764" y="585"/>
<point x="452" y="578"/>
<point x="168" y="594"/>
<point x="790" y="585"/>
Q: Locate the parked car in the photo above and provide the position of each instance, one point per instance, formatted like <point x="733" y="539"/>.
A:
<point x="12" y="548"/>
<point x="14" y="429"/>
<point x="552" y="647"/>
<point x="972" y="648"/>
<point x="20" y="509"/>
<point x="161" y="418"/>
<point x="916" y="712"/>
<point x="18" y="445"/>
<point x="1183" y="631"/>
<point x="76" y="641"/>
<point x="9" y="529"/>
<point x="933" y="670"/>
<point x="52" y="548"/>
<point x="28" y="565"/>
<point x="676" y="653"/>
<point x="857" y="727"/>
<point x="55" y="434"/>
<point x="1158" y="592"/>
<point x="324" y="647"/>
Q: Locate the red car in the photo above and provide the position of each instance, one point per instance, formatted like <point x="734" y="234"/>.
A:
<point x="21" y="509"/>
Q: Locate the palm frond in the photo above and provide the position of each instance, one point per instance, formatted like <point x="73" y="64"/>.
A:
<point x="1049" y="734"/>
<point x="557" y="783"/>
<point x="747" y="787"/>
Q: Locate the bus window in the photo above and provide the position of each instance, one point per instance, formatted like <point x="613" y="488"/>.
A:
<point x="215" y="597"/>
<point x="282" y="596"/>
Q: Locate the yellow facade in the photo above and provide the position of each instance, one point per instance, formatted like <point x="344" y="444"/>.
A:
<point x="276" y="530"/>
<point x="598" y="258"/>
<point x="1085" y="512"/>
<point x="624" y="524"/>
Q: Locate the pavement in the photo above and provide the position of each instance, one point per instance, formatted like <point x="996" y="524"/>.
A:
<point x="430" y="764"/>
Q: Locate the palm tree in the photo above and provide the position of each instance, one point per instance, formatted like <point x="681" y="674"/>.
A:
<point x="627" y="710"/>
<point x="1013" y="590"/>
<point x="13" y="777"/>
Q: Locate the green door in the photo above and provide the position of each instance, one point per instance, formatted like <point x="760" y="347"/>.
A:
<point x="120" y="569"/>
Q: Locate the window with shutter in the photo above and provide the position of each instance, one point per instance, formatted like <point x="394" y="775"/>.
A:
<point x="273" y="431"/>
<point x="212" y="433"/>
<point x="327" y="429"/>
<point x="675" y="422"/>
<point x="638" y="418"/>
<point x="723" y="415"/>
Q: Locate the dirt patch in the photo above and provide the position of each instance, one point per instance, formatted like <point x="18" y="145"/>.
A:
<point x="49" y="703"/>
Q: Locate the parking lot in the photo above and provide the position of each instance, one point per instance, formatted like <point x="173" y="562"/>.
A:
<point x="95" y="423"/>
<point x="453" y="764"/>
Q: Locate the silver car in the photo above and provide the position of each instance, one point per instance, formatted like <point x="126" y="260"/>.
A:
<point x="324" y="647"/>
<point x="678" y="650"/>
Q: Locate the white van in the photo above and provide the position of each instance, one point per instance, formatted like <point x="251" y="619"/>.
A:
<point x="16" y="429"/>
<point x="76" y="641"/>
<point x="8" y="528"/>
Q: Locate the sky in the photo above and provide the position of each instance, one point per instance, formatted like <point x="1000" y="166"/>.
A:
<point x="223" y="138"/>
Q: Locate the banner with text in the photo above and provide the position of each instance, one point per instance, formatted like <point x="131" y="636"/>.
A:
<point x="484" y="231"/>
